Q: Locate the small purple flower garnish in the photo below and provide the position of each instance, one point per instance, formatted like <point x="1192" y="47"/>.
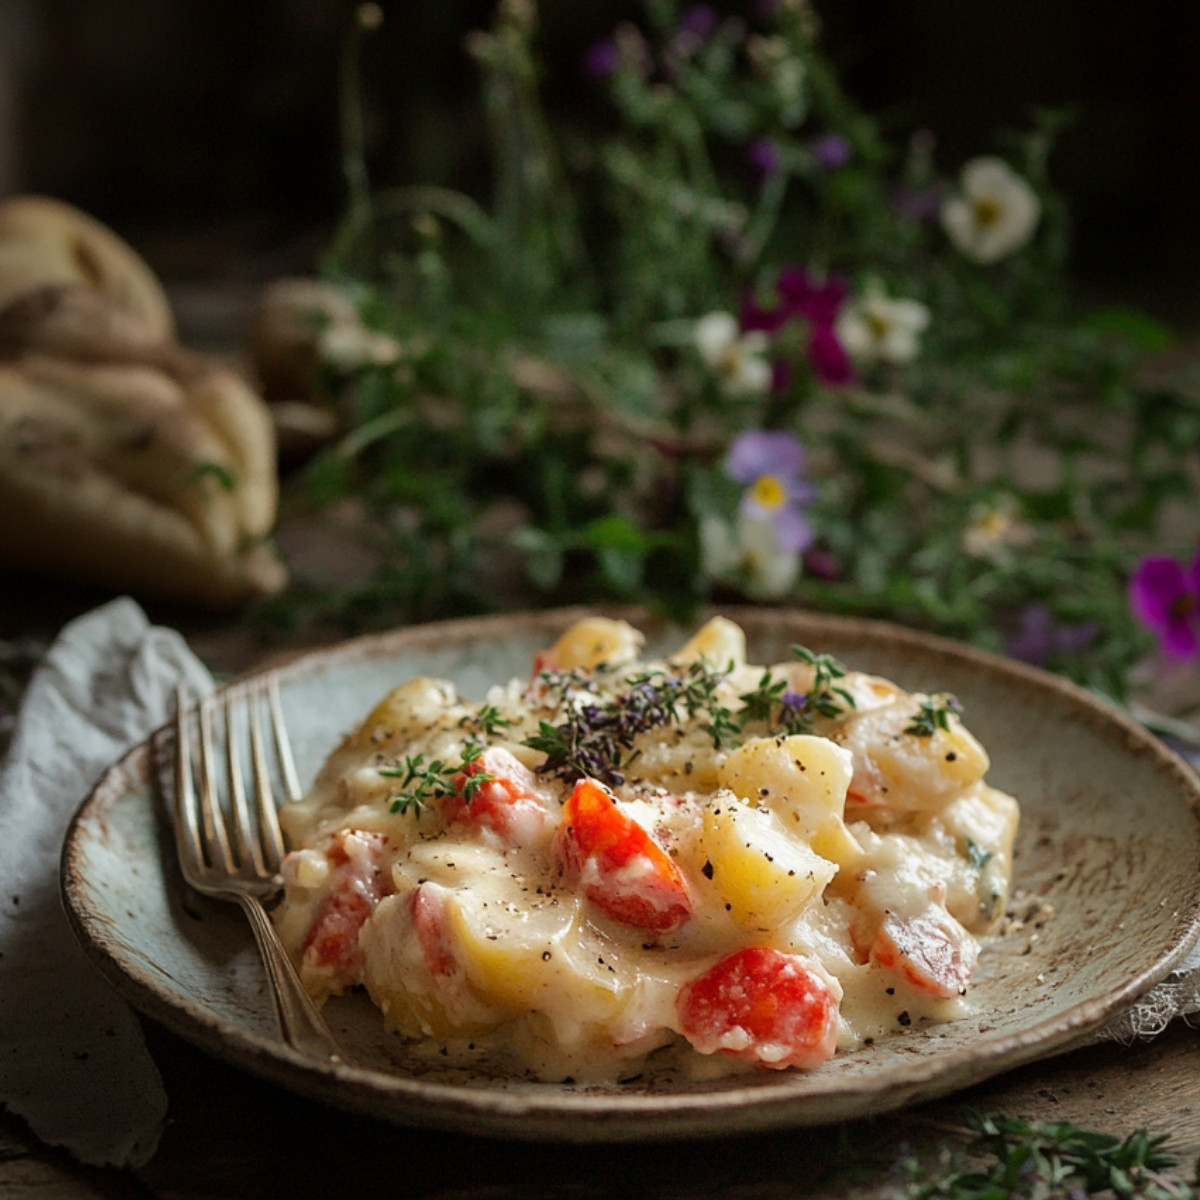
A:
<point x="1165" y="596"/>
<point x="831" y="151"/>
<point x="771" y="463"/>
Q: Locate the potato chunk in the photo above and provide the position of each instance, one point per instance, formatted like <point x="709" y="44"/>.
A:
<point x="593" y="641"/>
<point x="719" y="642"/>
<point x="801" y="778"/>
<point x="765" y="873"/>
<point x="897" y="768"/>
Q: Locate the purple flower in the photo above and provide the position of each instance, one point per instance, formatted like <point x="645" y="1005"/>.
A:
<point x="771" y="463"/>
<point x="699" y="20"/>
<point x="1165" y="596"/>
<point x="1041" y="635"/>
<point x="753" y="316"/>
<point x="820" y="563"/>
<point x="831" y="151"/>
<point x="818" y="301"/>
<point x="602" y="59"/>
<point x="828" y="358"/>
<point x="763" y="154"/>
<point x="919" y="205"/>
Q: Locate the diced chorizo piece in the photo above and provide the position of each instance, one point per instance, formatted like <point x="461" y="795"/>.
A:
<point x="623" y="870"/>
<point x="774" y="1009"/>
<point x="357" y="882"/>
<point x="932" y="951"/>
<point x="497" y="791"/>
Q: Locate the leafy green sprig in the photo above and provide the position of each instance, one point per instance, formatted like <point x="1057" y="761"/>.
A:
<point x="422" y="782"/>
<point x="762" y="703"/>
<point x="489" y="721"/>
<point x="826" y="698"/>
<point x="596" y="736"/>
<point x="934" y="714"/>
<point x="1014" y="1159"/>
<point x="785" y="711"/>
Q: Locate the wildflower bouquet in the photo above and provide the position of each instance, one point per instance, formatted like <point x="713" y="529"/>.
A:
<point x="742" y="345"/>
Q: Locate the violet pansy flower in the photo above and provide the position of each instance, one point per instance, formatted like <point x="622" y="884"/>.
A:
<point x="771" y="464"/>
<point x="1165" y="596"/>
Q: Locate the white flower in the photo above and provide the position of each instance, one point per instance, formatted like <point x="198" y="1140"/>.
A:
<point x="876" y="328"/>
<point x="996" y="213"/>
<point x="348" y="345"/>
<point x="996" y="530"/>
<point x="747" y="555"/>
<point x="738" y="359"/>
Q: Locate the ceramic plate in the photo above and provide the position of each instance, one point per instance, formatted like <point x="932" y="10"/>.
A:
<point x="1109" y="843"/>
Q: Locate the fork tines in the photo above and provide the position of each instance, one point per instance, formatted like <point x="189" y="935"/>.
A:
<point x="223" y="832"/>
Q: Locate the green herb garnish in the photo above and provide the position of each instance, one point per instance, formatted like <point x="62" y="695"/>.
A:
<point x="933" y="714"/>
<point x="596" y="736"/>
<point x="422" y="782"/>
<point x="1013" y="1159"/>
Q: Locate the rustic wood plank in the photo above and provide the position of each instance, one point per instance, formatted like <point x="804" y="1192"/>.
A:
<point x="237" y="1136"/>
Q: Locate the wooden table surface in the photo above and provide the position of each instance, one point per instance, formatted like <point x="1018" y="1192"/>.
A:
<point x="230" y="1134"/>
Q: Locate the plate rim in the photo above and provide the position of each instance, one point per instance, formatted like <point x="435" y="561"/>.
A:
<point x="533" y="1111"/>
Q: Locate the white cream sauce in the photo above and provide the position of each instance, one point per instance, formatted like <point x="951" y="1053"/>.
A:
<point x="510" y="924"/>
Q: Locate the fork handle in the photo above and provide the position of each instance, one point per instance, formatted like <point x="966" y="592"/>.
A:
<point x="300" y="1021"/>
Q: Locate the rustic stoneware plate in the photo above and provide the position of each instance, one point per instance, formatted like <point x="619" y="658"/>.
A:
<point x="1109" y="845"/>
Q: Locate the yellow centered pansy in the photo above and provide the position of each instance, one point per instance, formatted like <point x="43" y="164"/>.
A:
<point x="768" y="492"/>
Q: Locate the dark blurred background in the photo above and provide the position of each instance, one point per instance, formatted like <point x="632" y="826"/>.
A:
<point x="206" y="131"/>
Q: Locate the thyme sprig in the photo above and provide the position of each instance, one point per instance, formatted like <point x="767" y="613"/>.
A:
<point x="782" y="710"/>
<point x="489" y="721"/>
<point x="422" y="782"/>
<point x="761" y="703"/>
<point x="596" y="736"/>
<point x="934" y="714"/>
<point x="1014" y="1159"/>
<point x="826" y="698"/>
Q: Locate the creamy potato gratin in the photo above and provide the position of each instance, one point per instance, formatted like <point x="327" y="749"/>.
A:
<point x="726" y="865"/>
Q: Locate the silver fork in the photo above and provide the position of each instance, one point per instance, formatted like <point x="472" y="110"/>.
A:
<point x="243" y="867"/>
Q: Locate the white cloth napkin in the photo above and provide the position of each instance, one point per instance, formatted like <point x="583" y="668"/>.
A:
<point x="73" y="1062"/>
